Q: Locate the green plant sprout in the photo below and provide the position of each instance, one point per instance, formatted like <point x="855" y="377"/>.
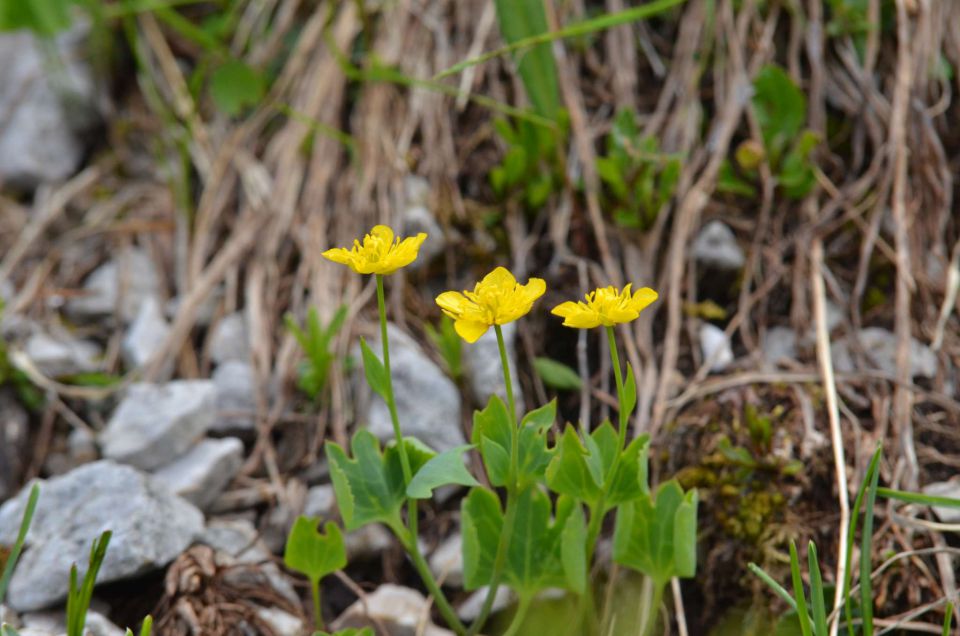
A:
<point x="79" y="596"/>
<point x="812" y="617"/>
<point x="315" y="340"/>
<point x="447" y="342"/>
<point x="556" y="374"/>
<point x="639" y="179"/>
<point x="533" y="166"/>
<point x="17" y="548"/>
<point x="315" y="554"/>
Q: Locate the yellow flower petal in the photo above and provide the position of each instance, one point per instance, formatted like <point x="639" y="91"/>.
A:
<point x="605" y="306"/>
<point x="470" y="330"/>
<point x="496" y="300"/>
<point x="379" y="253"/>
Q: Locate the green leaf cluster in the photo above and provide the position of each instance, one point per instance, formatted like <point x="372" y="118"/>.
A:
<point x="532" y="168"/>
<point x="315" y="339"/>
<point x="492" y="437"/>
<point x="781" y="111"/>
<point x="639" y="180"/>
<point x="80" y="595"/>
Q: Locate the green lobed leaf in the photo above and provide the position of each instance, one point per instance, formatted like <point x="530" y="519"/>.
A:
<point x="780" y="107"/>
<point x="556" y="374"/>
<point x="657" y="535"/>
<point x="630" y="480"/>
<point x="374" y="370"/>
<point x="369" y="487"/>
<point x="446" y="468"/>
<point x="481" y="521"/>
<point x="571" y="471"/>
<point x="235" y="86"/>
<point x="534" y="554"/>
<point x="313" y="553"/>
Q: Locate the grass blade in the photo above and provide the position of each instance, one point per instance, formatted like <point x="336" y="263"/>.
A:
<point x="948" y="619"/>
<point x="872" y="470"/>
<point x="776" y="587"/>
<point x="21" y="539"/>
<point x="919" y="498"/>
<point x="866" y="548"/>
<point x="802" y="615"/>
<point x="816" y="592"/>
<point x="586" y="27"/>
<point x="520" y="20"/>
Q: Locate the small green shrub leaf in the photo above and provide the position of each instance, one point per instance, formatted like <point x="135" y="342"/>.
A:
<point x="235" y="86"/>
<point x="481" y="521"/>
<point x="369" y="487"/>
<point x="556" y="374"/>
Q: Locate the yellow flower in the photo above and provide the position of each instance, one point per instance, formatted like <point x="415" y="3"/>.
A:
<point x="495" y="300"/>
<point x="379" y="253"/>
<point x="605" y="306"/>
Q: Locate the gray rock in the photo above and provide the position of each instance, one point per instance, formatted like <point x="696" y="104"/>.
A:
<point x="280" y="622"/>
<point x="54" y="623"/>
<point x="716" y="246"/>
<point x="416" y="219"/>
<point x="321" y="502"/>
<point x="230" y="339"/>
<point x="58" y="354"/>
<point x="945" y="489"/>
<point x="367" y="542"/>
<point x="150" y="528"/>
<point x="146" y="335"/>
<point x="234" y="537"/>
<point x="204" y="471"/>
<point x="132" y="274"/>
<point x="156" y="423"/>
<point x="780" y="343"/>
<point x="446" y="562"/>
<point x="715" y="347"/>
<point x="14" y="443"/>
<point x="44" y="107"/>
<point x="880" y="347"/>
<point x="8" y="616"/>
<point x="82" y="446"/>
<point x="469" y="610"/>
<point x="481" y="361"/>
<point x="428" y="402"/>
<point x="401" y="610"/>
<point x="235" y="382"/>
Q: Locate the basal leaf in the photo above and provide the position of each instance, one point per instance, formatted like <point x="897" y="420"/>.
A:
<point x="313" y="553"/>
<point x="780" y="107"/>
<point x="534" y="554"/>
<point x="374" y="370"/>
<point x="481" y="521"/>
<point x="443" y="469"/>
<point x="648" y="530"/>
<point x="573" y="554"/>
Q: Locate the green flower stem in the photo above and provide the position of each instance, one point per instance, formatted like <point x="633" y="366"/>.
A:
<point x="615" y="358"/>
<point x="510" y="515"/>
<point x="391" y="402"/>
<point x="409" y="538"/>
<point x="522" y="608"/>
<point x="317" y="612"/>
